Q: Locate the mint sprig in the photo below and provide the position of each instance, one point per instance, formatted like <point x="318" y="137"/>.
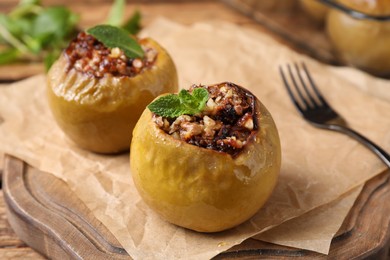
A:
<point x="112" y="37"/>
<point x="184" y="103"/>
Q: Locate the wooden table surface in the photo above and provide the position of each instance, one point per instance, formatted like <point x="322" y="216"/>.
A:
<point x="92" y="12"/>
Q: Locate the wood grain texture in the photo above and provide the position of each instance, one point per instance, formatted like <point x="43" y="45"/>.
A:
<point x="11" y="247"/>
<point x="365" y="233"/>
<point x="51" y="219"/>
<point x="24" y="253"/>
<point x="8" y="238"/>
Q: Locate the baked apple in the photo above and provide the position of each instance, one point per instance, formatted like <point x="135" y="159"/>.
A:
<point x="97" y="94"/>
<point x="361" y="42"/>
<point x="209" y="159"/>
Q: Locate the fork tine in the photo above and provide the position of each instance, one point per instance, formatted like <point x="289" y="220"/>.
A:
<point x="299" y="92"/>
<point x="289" y="91"/>
<point x="315" y="88"/>
<point x="308" y="94"/>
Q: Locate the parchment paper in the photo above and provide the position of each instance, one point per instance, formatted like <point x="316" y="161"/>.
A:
<point x="318" y="166"/>
<point x="315" y="229"/>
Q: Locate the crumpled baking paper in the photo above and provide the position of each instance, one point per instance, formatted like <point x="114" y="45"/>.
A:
<point x="318" y="166"/>
<point x="313" y="230"/>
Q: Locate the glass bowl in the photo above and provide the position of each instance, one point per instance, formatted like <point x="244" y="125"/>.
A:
<point x="332" y="31"/>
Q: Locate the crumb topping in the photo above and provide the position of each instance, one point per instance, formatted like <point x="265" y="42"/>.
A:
<point x="225" y="124"/>
<point x="86" y="54"/>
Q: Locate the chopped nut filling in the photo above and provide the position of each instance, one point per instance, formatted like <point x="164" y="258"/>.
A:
<point x="86" y="54"/>
<point x="225" y="125"/>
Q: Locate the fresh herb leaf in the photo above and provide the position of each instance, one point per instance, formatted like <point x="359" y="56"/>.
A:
<point x="16" y="27"/>
<point x="9" y="55"/>
<point x="201" y="95"/>
<point x="57" y="22"/>
<point x="32" y="32"/>
<point x="115" y="15"/>
<point x="167" y="106"/>
<point x="29" y="2"/>
<point x="26" y="8"/>
<point x="112" y="37"/>
<point x="184" y="103"/>
<point x="188" y="102"/>
<point x="133" y="25"/>
<point x="6" y="28"/>
<point x="37" y="33"/>
<point x="50" y="58"/>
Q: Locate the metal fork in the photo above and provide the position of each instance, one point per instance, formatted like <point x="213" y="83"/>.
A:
<point x="312" y="105"/>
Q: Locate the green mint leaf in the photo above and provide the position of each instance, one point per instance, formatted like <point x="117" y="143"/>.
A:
<point x="112" y="37"/>
<point x="188" y="102"/>
<point x="54" y="23"/>
<point x="194" y="103"/>
<point x="33" y="44"/>
<point x="201" y="95"/>
<point x="133" y="25"/>
<point x="166" y="106"/>
<point x="8" y="30"/>
<point x="51" y="29"/>
<point x="35" y="31"/>
<point x="9" y="55"/>
<point x="50" y="58"/>
<point x="26" y="8"/>
<point x="182" y="104"/>
<point x="115" y="15"/>
<point x="29" y="2"/>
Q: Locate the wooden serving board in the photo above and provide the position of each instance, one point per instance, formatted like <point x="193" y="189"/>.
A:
<point x="50" y="218"/>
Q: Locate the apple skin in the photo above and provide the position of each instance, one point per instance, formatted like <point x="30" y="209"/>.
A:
<point x="99" y="114"/>
<point x="203" y="189"/>
<point x="362" y="43"/>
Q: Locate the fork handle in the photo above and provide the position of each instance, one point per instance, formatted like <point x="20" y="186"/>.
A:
<point x="382" y="154"/>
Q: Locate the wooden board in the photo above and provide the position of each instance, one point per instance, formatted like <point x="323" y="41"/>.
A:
<point x="50" y="218"/>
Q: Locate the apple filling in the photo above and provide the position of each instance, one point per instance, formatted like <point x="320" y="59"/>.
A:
<point x="86" y="54"/>
<point x="225" y="124"/>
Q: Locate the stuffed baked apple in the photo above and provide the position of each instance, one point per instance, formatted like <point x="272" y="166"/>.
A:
<point x="361" y="42"/>
<point x="206" y="159"/>
<point x="102" y="82"/>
